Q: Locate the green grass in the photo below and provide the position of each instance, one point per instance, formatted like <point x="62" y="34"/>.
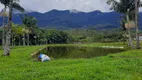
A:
<point x="20" y="66"/>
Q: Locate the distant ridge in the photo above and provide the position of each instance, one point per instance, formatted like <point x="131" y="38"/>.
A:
<point x="66" y="19"/>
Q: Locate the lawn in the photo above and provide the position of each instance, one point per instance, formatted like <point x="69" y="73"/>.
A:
<point x="122" y="66"/>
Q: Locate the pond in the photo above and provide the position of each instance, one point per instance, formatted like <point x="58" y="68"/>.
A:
<point x="67" y="52"/>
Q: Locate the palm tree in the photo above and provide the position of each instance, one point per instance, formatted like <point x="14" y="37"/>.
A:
<point x="13" y="33"/>
<point x="19" y="33"/>
<point x="3" y="35"/>
<point x="28" y="36"/>
<point x="5" y="3"/>
<point x="16" y="32"/>
<point x="24" y="32"/>
<point x="129" y="31"/>
<point x="127" y="8"/>
<point x="137" y="5"/>
<point x="30" y="22"/>
<point x="12" y="4"/>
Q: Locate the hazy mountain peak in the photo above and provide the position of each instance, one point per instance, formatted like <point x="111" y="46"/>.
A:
<point x="74" y="11"/>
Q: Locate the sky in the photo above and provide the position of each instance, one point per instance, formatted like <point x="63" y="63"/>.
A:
<point x="81" y="5"/>
<point x="47" y="5"/>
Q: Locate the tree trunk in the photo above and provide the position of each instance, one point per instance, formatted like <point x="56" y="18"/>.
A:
<point x="28" y="39"/>
<point x="130" y="39"/>
<point x="3" y="35"/>
<point x="8" y="31"/>
<point x="12" y="39"/>
<point x="24" y="40"/>
<point x="136" y="22"/>
<point x="38" y="40"/>
<point x="129" y="32"/>
<point x="46" y="41"/>
<point x="35" y="42"/>
<point x="19" y="41"/>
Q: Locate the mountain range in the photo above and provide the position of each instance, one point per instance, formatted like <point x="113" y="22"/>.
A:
<point x="74" y="19"/>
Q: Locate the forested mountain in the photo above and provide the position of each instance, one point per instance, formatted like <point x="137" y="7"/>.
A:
<point x="74" y="19"/>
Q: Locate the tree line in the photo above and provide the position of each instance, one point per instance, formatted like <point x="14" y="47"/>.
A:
<point x="21" y="36"/>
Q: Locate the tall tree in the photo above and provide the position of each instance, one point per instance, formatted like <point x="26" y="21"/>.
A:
<point x="16" y="33"/>
<point x="126" y="7"/>
<point x="24" y="32"/>
<point x="30" y="22"/>
<point x="5" y="3"/>
<point x="12" y="4"/>
<point x="137" y="5"/>
<point x="19" y="33"/>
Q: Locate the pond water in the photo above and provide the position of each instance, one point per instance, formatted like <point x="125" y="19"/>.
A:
<point x="66" y="52"/>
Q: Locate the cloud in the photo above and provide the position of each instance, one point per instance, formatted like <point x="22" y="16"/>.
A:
<point x="81" y="5"/>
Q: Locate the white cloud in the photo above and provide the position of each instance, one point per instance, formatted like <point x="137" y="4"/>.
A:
<point x="47" y="5"/>
<point x="81" y="5"/>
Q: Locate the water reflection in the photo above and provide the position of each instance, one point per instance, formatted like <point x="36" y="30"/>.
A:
<point x="78" y="52"/>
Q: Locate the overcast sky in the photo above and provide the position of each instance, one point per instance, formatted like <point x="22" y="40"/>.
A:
<point x="81" y="5"/>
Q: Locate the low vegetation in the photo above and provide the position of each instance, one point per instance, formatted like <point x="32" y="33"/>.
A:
<point x="122" y="66"/>
<point x="37" y="36"/>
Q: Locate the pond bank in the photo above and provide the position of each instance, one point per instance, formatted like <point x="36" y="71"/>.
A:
<point x="123" y="66"/>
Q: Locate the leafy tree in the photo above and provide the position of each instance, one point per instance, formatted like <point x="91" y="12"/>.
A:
<point x="30" y="23"/>
<point x="13" y="34"/>
<point x="5" y="2"/>
<point x="24" y="31"/>
<point x="126" y="7"/>
<point x="18" y="34"/>
<point x="11" y="4"/>
<point x="137" y="5"/>
<point x="54" y="36"/>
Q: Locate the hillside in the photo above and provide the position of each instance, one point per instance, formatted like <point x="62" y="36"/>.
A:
<point x="74" y="19"/>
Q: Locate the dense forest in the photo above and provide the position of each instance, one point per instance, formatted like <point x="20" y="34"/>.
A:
<point x="40" y="36"/>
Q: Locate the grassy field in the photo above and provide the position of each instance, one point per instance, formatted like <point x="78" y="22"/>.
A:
<point x="20" y="66"/>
